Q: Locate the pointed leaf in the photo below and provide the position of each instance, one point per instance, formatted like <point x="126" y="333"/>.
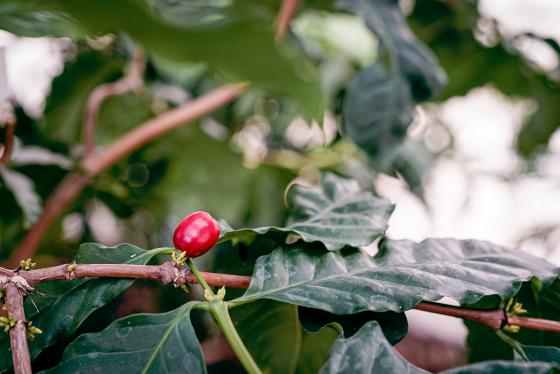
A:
<point x="401" y="275"/>
<point x="64" y="305"/>
<point x="369" y="352"/>
<point x="141" y="343"/>
<point x="337" y="213"/>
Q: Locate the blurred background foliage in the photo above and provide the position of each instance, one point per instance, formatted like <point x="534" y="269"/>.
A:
<point x="356" y="61"/>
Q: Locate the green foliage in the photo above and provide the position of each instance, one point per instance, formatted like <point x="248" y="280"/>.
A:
<point x="319" y="300"/>
<point x="336" y="213"/>
<point x="146" y="343"/>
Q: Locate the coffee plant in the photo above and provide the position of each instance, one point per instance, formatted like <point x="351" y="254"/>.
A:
<point x="167" y="107"/>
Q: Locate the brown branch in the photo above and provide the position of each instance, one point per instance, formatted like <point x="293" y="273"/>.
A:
<point x="168" y="273"/>
<point x="132" y="81"/>
<point x="8" y="140"/>
<point x="18" y="333"/>
<point x="74" y="183"/>
<point x="285" y="15"/>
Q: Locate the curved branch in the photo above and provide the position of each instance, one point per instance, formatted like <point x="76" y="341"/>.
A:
<point x="74" y="183"/>
<point x="132" y="81"/>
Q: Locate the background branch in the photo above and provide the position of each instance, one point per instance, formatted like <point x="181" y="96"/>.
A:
<point x="18" y="333"/>
<point x="285" y="15"/>
<point x="8" y="140"/>
<point x="71" y="186"/>
<point x="132" y="81"/>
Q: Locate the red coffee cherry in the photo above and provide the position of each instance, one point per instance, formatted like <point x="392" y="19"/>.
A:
<point x="196" y="234"/>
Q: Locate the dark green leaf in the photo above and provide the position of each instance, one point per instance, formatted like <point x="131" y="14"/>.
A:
<point x="378" y="106"/>
<point x="141" y="343"/>
<point x="336" y="213"/>
<point x="377" y="111"/>
<point x="394" y="325"/>
<point x="543" y="354"/>
<point x="64" y="305"/>
<point x="401" y="275"/>
<point x="18" y="19"/>
<point x="369" y="352"/>
<point x="24" y="193"/>
<point x="545" y="303"/>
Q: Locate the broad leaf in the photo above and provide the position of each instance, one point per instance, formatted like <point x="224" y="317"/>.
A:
<point x="64" y="305"/>
<point x="377" y="111"/>
<point x="141" y="343"/>
<point x="543" y="354"/>
<point x="272" y="333"/>
<point x="223" y="37"/>
<point x="401" y="275"/>
<point x="369" y="352"/>
<point x="337" y="213"/>
<point x="23" y="190"/>
<point x="378" y="106"/>
<point x="315" y="347"/>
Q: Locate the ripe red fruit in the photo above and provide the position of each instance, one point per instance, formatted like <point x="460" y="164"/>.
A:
<point x="196" y="234"/>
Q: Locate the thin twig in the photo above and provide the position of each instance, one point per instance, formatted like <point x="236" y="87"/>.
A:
<point x="74" y="183"/>
<point x="18" y="333"/>
<point x="167" y="273"/>
<point x="8" y="140"/>
<point x="285" y="15"/>
<point x="132" y="81"/>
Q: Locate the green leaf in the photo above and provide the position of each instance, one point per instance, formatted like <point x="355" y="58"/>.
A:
<point x="23" y="190"/>
<point x="544" y="303"/>
<point x="369" y="352"/>
<point x="223" y="38"/>
<point x="141" y="343"/>
<point x="337" y="213"/>
<point x="315" y="347"/>
<point x="377" y="111"/>
<point x="394" y="325"/>
<point x="378" y="107"/>
<point x="402" y="274"/>
<point x="366" y="352"/>
<point x="18" y="19"/>
<point x="64" y="305"/>
<point x="543" y="354"/>
<point x="272" y="333"/>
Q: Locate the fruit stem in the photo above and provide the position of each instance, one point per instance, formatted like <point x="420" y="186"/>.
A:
<point x="219" y="310"/>
<point x="199" y="277"/>
<point x="517" y="347"/>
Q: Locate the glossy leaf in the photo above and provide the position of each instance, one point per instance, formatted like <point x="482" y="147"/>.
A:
<point x="223" y="37"/>
<point x="64" y="305"/>
<point x="23" y="190"/>
<point x="141" y="343"/>
<point x="369" y="352"/>
<point x="401" y="275"/>
<point x="315" y="347"/>
<point x="337" y="213"/>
